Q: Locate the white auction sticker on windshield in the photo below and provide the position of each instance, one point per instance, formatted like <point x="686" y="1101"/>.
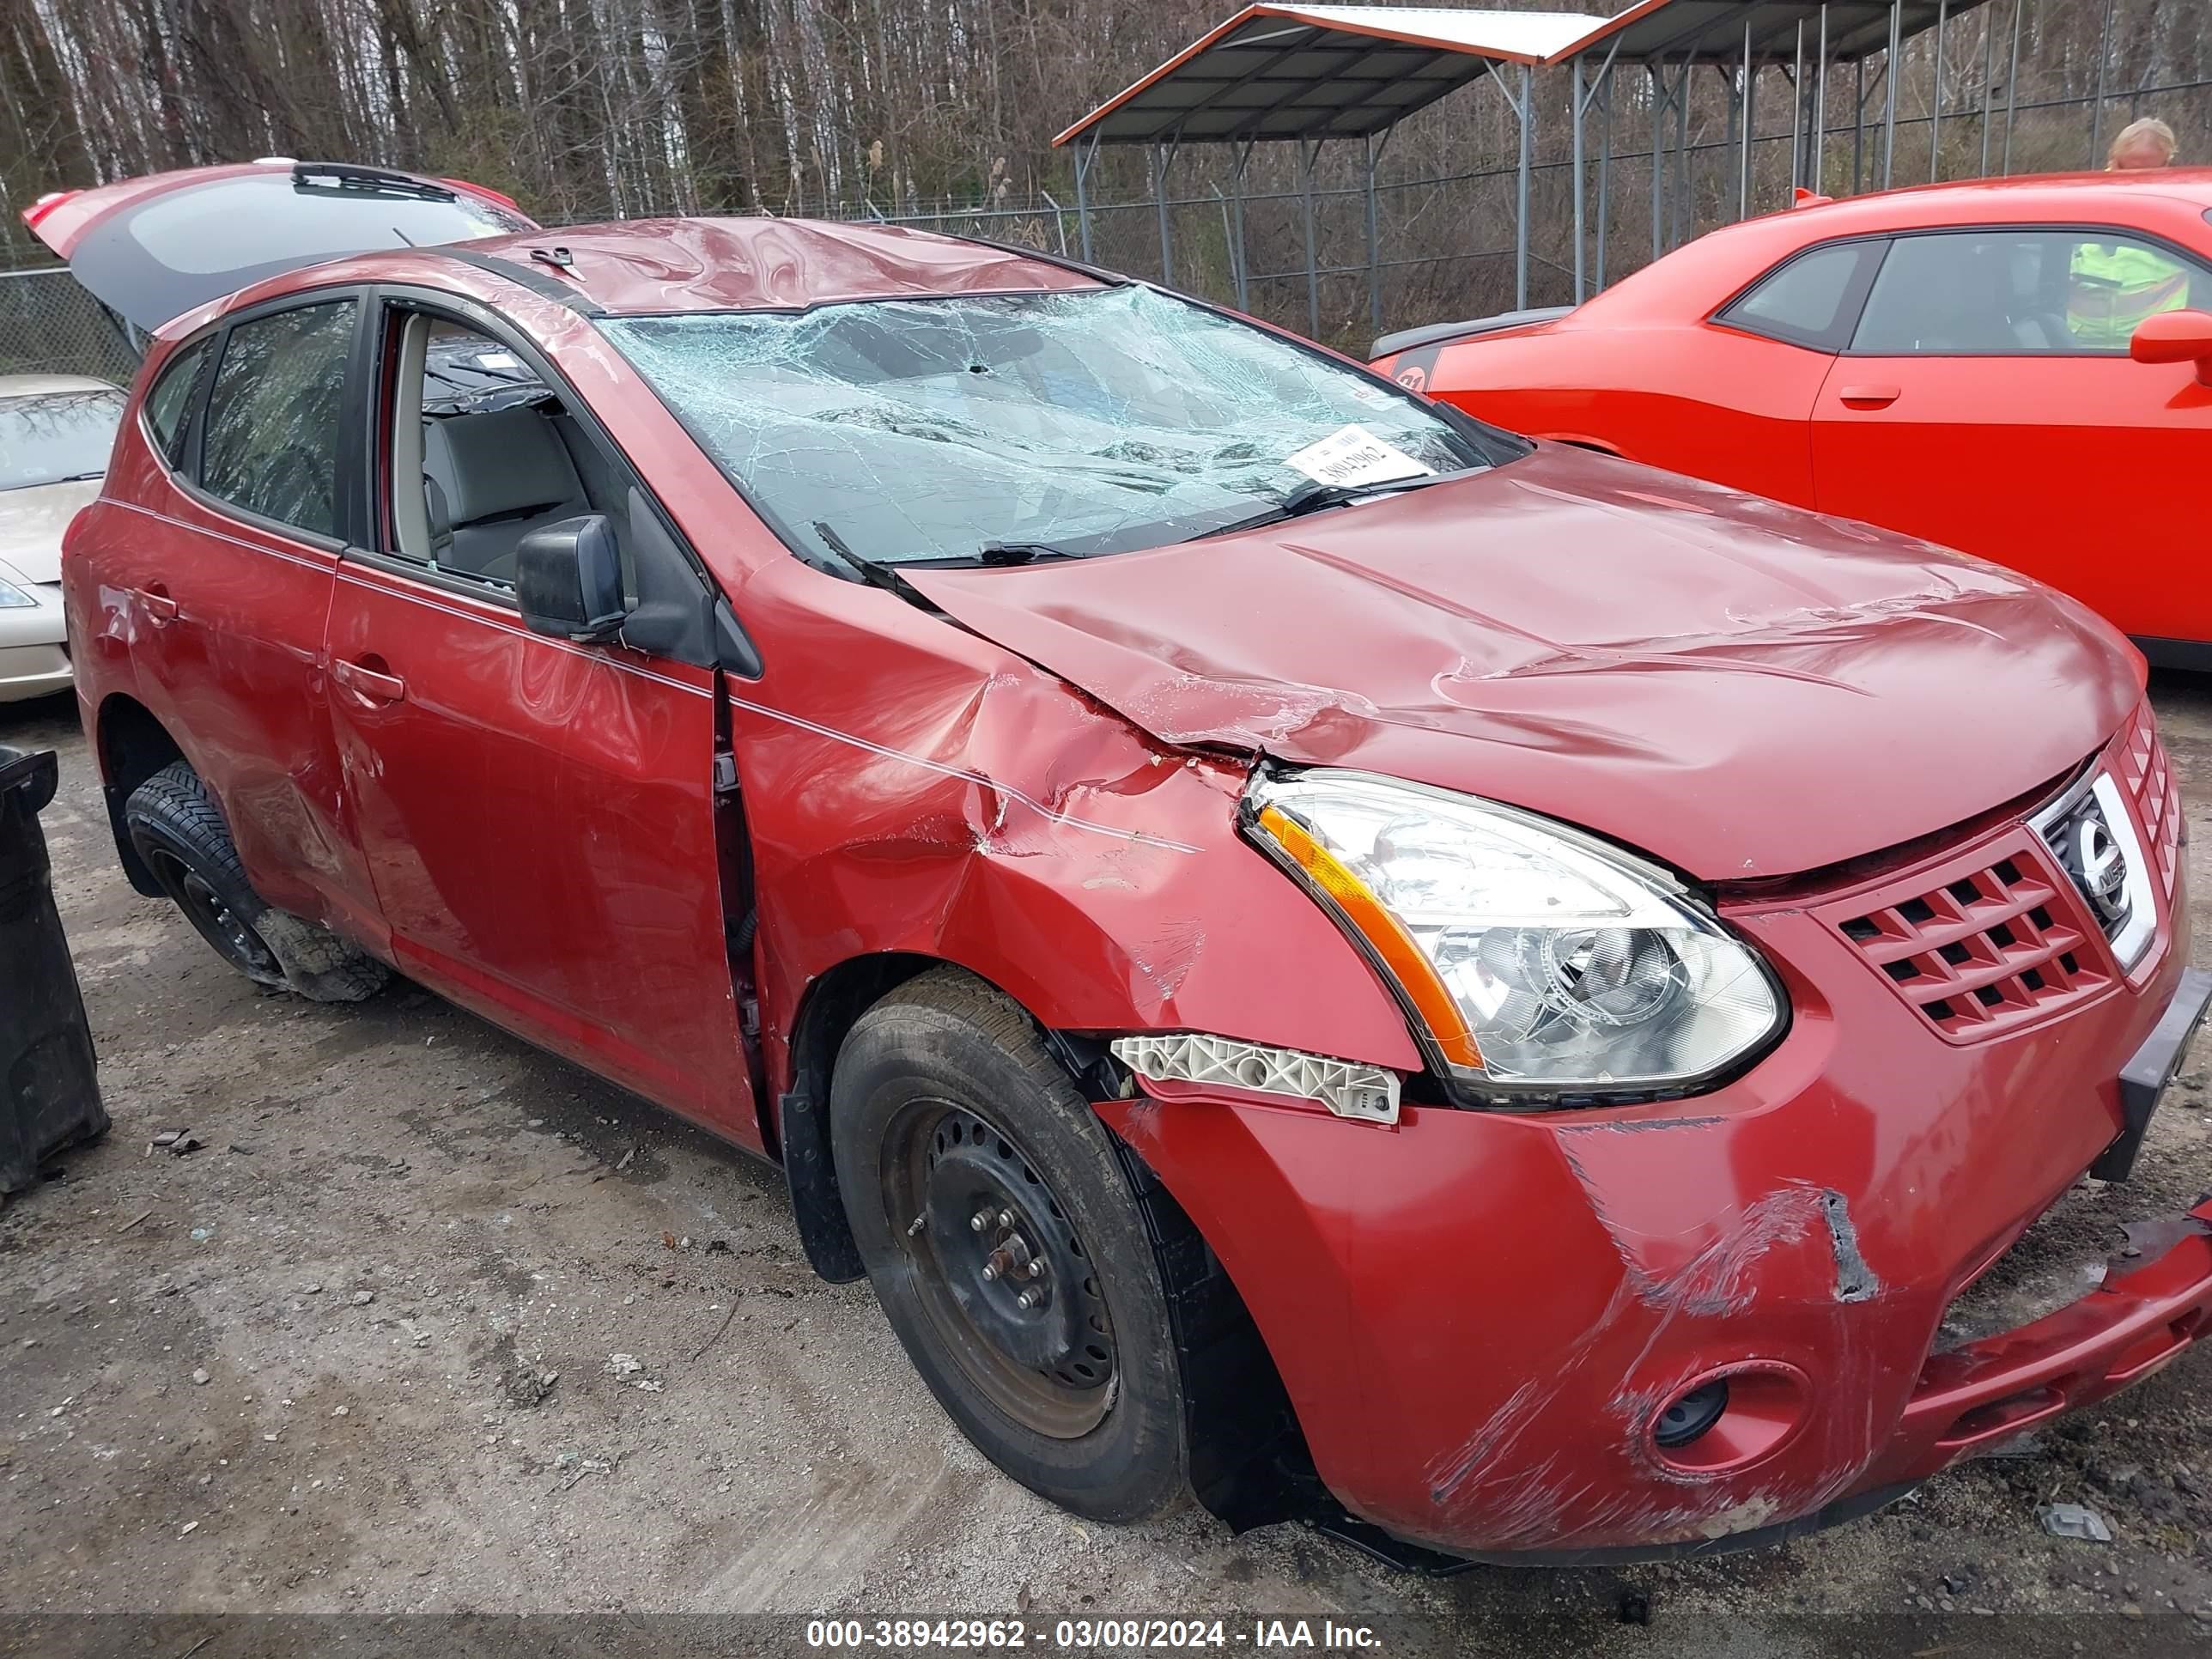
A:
<point x="1353" y="455"/>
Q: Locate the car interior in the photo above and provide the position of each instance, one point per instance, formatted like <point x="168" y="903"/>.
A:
<point x="498" y="453"/>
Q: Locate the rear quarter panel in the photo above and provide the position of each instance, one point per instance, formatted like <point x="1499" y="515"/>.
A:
<point x="1693" y="398"/>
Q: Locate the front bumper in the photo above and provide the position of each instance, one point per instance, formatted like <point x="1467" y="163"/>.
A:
<point x="1480" y="1317"/>
<point x="35" y="661"/>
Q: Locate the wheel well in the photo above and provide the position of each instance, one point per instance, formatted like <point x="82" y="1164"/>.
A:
<point x="133" y="746"/>
<point x="831" y="1006"/>
<point x="801" y="1127"/>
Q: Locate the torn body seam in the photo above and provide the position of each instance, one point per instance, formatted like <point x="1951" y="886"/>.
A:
<point x="966" y="776"/>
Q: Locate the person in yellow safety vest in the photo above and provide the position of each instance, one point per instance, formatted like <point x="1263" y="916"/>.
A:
<point x="2116" y="285"/>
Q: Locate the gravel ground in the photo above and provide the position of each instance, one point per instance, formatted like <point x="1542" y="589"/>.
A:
<point x="434" y="1323"/>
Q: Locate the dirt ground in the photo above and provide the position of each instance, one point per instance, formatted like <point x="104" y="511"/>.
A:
<point x="371" y="1349"/>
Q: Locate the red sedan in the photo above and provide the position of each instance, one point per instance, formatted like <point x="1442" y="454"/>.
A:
<point x="1314" y="952"/>
<point x="1953" y="362"/>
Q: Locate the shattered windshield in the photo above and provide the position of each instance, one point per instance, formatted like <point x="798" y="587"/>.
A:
<point x="1064" y="424"/>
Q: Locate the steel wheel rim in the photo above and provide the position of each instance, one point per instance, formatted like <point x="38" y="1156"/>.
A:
<point x="211" y="915"/>
<point x="1051" y="1368"/>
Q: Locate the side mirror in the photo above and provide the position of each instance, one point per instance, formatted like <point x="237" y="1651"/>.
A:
<point x="568" y="578"/>
<point x="2175" y="337"/>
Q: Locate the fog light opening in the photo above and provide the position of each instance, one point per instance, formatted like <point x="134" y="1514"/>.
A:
<point x="1742" y="1416"/>
<point x="1692" y="1416"/>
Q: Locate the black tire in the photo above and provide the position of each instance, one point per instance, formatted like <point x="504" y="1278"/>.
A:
<point x="1098" y="1423"/>
<point x="179" y="831"/>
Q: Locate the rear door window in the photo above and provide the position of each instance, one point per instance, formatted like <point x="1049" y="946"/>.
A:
<point x="274" y="414"/>
<point x="1811" y="299"/>
<point x="171" y="400"/>
<point x="2022" y="293"/>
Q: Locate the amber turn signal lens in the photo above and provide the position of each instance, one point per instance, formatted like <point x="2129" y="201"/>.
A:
<point x="1384" y="935"/>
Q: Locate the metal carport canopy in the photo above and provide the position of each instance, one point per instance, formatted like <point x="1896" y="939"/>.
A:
<point x="1313" y="72"/>
<point x="1714" y="31"/>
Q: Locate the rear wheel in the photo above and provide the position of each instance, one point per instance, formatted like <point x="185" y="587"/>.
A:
<point x="1007" y="1250"/>
<point x="179" y="832"/>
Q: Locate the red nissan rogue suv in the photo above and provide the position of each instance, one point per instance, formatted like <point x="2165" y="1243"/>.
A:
<point x="1316" y="952"/>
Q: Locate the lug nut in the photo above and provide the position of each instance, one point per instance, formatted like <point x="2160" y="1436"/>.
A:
<point x="978" y="1221"/>
<point x="990" y="1271"/>
<point x="1005" y="1218"/>
<point x="1026" y="1299"/>
<point x="1037" y="1267"/>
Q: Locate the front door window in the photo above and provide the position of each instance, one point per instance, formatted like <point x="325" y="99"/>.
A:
<point x="2022" y="293"/>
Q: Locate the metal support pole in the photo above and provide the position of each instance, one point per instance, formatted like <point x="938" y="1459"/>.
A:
<point x="1308" y="152"/>
<point x="1889" y="95"/>
<point x="1374" y="247"/>
<point x="1575" y="92"/>
<point x="2012" y="82"/>
<point x="1521" y="190"/>
<point x="1083" y="195"/>
<point x="1750" y="113"/>
<point x="1237" y="229"/>
<point x="1989" y="60"/>
<point x="1730" y="78"/>
<point x="1162" y="159"/>
<point x="1686" y="205"/>
<point x="1604" y="172"/>
<point x="1935" y="112"/>
<point x="1658" y="160"/>
<point x="1858" y="125"/>
<point x="1797" y="111"/>
<point x="1229" y="240"/>
<point x="2097" y="111"/>
<point x="1820" y="108"/>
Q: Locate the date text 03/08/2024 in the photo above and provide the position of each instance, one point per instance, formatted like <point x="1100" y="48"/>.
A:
<point x="1080" y="1635"/>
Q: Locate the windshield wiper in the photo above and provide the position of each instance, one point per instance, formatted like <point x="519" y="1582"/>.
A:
<point x="876" y="573"/>
<point x="1025" y="552"/>
<point x="1317" y="496"/>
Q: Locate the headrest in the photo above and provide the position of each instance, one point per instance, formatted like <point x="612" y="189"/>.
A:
<point x="499" y="462"/>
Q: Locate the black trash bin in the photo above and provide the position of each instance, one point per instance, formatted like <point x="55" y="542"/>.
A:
<point x="49" y="1097"/>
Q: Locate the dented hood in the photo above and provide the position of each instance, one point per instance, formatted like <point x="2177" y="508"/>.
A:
<point x="1739" y="688"/>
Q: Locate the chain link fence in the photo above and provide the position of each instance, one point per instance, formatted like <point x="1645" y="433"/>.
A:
<point x="50" y="326"/>
<point x="1445" y="237"/>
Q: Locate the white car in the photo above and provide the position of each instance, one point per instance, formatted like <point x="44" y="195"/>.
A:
<point x="55" y="433"/>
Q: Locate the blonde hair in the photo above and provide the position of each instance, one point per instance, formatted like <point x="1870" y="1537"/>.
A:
<point x="2150" y="130"/>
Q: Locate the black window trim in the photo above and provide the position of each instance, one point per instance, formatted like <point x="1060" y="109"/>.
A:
<point x="1830" y="342"/>
<point x="464" y="310"/>
<point x="2049" y="227"/>
<point x="347" y="487"/>
<point x="190" y="419"/>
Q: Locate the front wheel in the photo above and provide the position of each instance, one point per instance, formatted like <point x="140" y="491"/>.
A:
<point x="1007" y="1248"/>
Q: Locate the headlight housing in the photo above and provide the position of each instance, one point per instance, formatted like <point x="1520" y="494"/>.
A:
<point x="1535" y="959"/>
<point x="13" y="596"/>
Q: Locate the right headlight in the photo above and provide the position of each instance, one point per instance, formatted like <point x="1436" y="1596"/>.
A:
<point x="12" y="597"/>
<point x="1540" y="960"/>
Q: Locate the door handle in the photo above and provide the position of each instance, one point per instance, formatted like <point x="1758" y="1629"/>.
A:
<point x="160" y="607"/>
<point x="1870" y="397"/>
<point x="369" y="683"/>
